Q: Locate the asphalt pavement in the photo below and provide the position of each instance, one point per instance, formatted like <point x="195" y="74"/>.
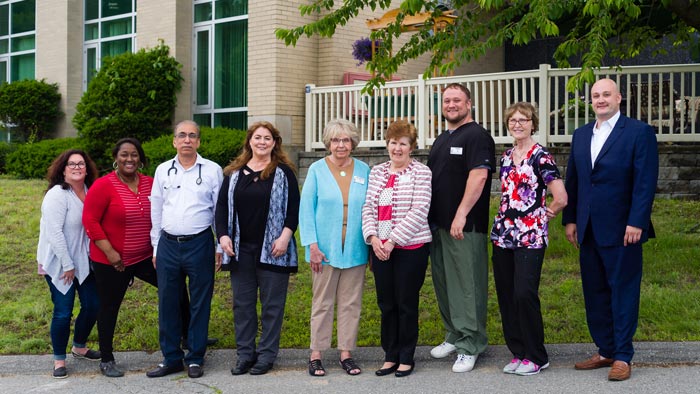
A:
<point x="658" y="367"/>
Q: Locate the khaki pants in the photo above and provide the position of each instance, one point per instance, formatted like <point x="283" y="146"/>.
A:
<point x="344" y="287"/>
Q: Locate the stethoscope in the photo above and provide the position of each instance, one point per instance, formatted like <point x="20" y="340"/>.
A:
<point x="199" y="166"/>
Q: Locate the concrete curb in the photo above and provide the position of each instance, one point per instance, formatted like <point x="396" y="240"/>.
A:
<point x="647" y="354"/>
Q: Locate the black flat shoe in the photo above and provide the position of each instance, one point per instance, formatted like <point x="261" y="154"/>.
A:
<point x="260" y="368"/>
<point x="242" y="366"/>
<point x="110" y="370"/>
<point x="401" y="374"/>
<point x="387" y="371"/>
<point x="60" y="373"/>
<point x="163" y="370"/>
<point x="92" y="355"/>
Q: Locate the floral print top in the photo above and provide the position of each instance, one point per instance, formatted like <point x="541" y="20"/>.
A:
<point x="521" y="220"/>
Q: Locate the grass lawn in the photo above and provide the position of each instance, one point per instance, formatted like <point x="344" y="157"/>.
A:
<point x="670" y="306"/>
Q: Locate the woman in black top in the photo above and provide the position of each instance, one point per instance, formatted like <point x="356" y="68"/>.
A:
<point x="256" y="216"/>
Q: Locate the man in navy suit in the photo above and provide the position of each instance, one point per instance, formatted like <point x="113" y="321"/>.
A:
<point x="611" y="181"/>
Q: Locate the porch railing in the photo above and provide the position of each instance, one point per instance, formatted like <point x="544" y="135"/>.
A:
<point x="665" y="96"/>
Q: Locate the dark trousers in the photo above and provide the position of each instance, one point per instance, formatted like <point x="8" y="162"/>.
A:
<point x="516" y="273"/>
<point x="177" y="260"/>
<point x="111" y="287"/>
<point x="63" y="312"/>
<point x="246" y="279"/>
<point x="611" y="279"/>
<point x="398" y="282"/>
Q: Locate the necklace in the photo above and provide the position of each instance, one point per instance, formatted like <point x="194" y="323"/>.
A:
<point x="128" y="184"/>
<point x="339" y="167"/>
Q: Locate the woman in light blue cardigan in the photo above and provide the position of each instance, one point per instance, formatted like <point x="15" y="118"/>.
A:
<point x="330" y="225"/>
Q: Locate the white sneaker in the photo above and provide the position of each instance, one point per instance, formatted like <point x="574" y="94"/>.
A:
<point x="512" y="365"/>
<point x="464" y="363"/>
<point x="528" y="368"/>
<point x="443" y="350"/>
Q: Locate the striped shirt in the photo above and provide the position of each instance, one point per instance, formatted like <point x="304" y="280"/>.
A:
<point x="410" y="204"/>
<point x="113" y="212"/>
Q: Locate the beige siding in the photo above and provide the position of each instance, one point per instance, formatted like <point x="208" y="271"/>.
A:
<point x="170" y="21"/>
<point x="59" y="54"/>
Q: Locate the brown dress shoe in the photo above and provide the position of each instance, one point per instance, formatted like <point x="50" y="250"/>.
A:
<point x="595" y="362"/>
<point x="620" y="371"/>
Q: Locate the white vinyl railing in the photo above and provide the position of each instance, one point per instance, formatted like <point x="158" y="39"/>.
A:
<point x="665" y="96"/>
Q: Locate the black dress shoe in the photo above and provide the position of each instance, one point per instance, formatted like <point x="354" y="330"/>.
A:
<point x="260" y="368"/>
<point x="195" y="371"/>
<point x="401" y="374"/>
<point x="163" y="370"/>
<point x="387" y="371"/>
<point x="242" y="366"/>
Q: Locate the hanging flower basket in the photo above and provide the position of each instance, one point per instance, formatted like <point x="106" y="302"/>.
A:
<point x="362" y="50"/>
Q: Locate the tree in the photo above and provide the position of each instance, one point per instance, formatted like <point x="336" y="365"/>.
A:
<point x="133" y="95"/>
<point x="591" y="29"/>
<point x="31" y="106"/>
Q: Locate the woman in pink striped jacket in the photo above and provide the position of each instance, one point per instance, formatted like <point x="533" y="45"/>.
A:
<point x="395" y="224"/>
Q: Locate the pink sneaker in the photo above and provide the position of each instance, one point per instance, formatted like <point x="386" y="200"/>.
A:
<point x="528" y="368"/>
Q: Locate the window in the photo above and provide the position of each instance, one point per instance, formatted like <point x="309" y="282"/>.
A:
<point x="220" y="54"/>
<point x="17" y="39"/>
<point x="109" y="30"/>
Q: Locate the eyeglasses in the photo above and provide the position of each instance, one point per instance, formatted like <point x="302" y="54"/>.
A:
<point x="182" y="136"/>
<point x="343" y="141"/>
<point x="73" y="166"/>
<point x="520" y="122"/>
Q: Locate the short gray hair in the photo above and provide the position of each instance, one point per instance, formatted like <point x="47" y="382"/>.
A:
<point x="336" y="127"/>
<point x="184" y="122"/>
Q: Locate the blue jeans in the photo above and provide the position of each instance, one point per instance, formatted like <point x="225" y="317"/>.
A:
<point x="63" y="311"/>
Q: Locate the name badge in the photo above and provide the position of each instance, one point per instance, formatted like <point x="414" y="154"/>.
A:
<point x="359" y="180"/>
<point x="456" y="150"/>
<point x="404" y="178"/>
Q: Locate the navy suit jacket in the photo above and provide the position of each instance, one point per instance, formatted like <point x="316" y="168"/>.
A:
<point x="619" y="190"/>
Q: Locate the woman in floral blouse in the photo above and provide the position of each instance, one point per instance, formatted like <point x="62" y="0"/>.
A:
<point x="519" y="236"/>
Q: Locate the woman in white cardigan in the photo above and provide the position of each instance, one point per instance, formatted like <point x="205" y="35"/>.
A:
<point x="330" y="226"/>
<point x="62" y="255"/>
<point x="395" y="223"/>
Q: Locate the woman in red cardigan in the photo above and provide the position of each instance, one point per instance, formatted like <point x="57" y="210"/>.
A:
<point x="117" y="219"/>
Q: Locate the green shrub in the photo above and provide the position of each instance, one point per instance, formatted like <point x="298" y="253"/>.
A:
<point x="133" y="95"/>
<point x="219" y="144"/>
<point x="33" y="160"/>
<point x="32" y="106"/>
<point x="5" y="149"/>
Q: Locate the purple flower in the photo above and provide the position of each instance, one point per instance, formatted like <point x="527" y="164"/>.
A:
<point x="362" y="49"/>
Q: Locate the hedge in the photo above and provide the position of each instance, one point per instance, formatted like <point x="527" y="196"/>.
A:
<point x="220" y="145"/>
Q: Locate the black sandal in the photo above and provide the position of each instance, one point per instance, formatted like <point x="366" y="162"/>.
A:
<point x="349" y="365"/>
<point x="314" y="366"/>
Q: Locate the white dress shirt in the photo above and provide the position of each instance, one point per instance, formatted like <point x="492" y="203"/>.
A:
<point x="183" y="201"/>
<point x="601" y="132"/>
